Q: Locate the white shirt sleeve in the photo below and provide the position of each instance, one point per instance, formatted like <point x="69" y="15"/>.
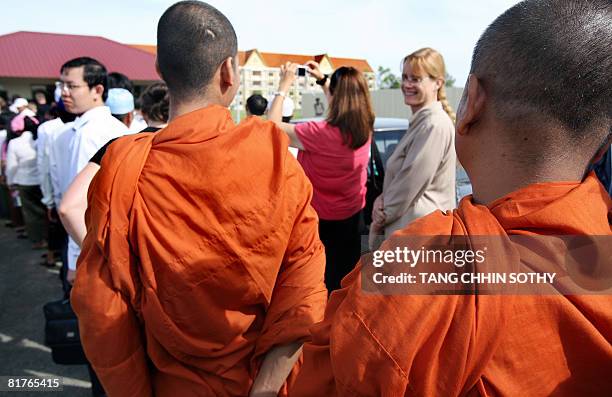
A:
<point x="73" y="253"/>
<point x="44" y="170"/>
<point x="12" y="162"/>
<point x="40" y="148"/>
<point x="54" y="175"/>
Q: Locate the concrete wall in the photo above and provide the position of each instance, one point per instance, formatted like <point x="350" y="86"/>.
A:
<point x="24" y="87"/>
<point x="387" y="103"/>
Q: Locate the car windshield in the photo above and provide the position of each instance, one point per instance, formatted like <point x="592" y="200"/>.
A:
<point x="386" y="141"/>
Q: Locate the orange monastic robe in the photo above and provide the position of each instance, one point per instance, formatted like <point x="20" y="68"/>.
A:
<point x="452" y="345"/>
<point x="202" y="253"/>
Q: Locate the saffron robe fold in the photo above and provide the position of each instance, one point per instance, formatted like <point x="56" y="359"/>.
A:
<point x="202" y="254"/>
<point x="453" y="345"/>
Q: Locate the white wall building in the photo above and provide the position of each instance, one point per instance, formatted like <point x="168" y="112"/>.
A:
<point x="260" y="74"/>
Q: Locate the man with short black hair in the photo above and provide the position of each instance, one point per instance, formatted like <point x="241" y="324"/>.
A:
<point x="256" y="105"/>
<point x="119" y="80"/>
<point x="83" y="85"/>
<point x="535" y="115"/>
<point x="202" y="269"/>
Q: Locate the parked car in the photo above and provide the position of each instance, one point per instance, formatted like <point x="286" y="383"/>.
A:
<point x="463" y="185"/>
<point x="387" y="134"/>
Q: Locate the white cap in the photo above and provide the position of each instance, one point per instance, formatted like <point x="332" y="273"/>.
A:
<point x="288" y="107"/>
<point x="120" y="101"/>
<point x="20" y="102"/>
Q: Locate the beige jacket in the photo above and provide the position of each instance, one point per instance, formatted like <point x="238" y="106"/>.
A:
<point x="420" y="174"/>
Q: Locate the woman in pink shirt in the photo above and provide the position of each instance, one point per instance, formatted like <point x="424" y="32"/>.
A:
<point x="334" y="154"/>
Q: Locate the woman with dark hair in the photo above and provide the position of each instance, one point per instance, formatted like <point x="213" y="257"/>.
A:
<point x="334" y="154"/>
<point x="155" y="108"/>
<point x="22" y="175"/>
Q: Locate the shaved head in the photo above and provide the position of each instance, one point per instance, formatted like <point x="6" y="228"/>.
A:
<point x="549" y="63"/>
<point x="193" y="39"/>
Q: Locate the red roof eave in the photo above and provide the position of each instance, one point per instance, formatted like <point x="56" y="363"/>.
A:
<point x="41" y="55"/>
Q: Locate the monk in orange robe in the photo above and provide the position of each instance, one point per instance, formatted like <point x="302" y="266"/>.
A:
<point x="534" y="115"/>
<point x="202" y="270"/>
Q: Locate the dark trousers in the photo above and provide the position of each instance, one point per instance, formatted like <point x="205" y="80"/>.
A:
<point x="64" y="270"/>
<point x="15" y="209"/>
<point x="57" y="234"/>
<point x="34" y="212"/>
<point x="5" y="198"/>
<point x="342" y="248"/>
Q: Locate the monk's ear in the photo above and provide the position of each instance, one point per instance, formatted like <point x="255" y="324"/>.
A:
<point x="471" y="107"/>
<point x="229" y="75"/>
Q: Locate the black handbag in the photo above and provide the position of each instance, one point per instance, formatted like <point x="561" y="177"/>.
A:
<point x="62" y="333"/>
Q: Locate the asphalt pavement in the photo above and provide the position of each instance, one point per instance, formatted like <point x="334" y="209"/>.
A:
<point x="25" y="287"/>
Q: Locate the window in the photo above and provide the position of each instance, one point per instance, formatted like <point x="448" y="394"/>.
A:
<point x="256" y="73"/>
<point x="387" y="141"/>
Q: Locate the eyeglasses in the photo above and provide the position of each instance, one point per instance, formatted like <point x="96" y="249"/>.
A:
<point x="68" y="86"/>
<point x="414" y="80"/>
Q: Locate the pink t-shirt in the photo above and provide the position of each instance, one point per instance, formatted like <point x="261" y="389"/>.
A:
<point x="337" y="172"/>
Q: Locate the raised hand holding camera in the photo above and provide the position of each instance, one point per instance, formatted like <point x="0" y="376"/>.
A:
<point x="314" y="69"/>
<point x="287" y="76"/>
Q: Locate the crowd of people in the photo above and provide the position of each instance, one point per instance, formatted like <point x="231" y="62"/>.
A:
<point x="51" y="152"/>
<point x="203" y="259"/>
<point x="34" y="177"/>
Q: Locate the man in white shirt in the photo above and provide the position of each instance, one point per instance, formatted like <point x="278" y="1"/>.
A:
<point x="46" y="136"/>
<point x="83" y="85"/>
<point x="56" y="237"/>
<point x="83" y="92"/>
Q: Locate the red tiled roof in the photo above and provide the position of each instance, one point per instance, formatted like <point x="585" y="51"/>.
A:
<point x="359" y="64"/>
<point x="41" y="55"/>
<point x="151" y="49"/>
<point x="275" y="60"/>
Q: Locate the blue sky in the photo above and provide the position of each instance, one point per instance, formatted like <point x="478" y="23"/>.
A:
<point x="382" y="31"/>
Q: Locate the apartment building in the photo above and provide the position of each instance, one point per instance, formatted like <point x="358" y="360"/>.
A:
<point x="260" y="73"/>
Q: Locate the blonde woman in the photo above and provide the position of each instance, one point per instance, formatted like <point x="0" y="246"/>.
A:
<point x="420" y="174"/>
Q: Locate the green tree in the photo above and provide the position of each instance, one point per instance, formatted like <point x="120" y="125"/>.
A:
<point x="386" y="79"/>
<point x="450" y="80"/>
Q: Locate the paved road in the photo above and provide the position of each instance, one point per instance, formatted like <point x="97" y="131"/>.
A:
<point x="24" y="288"/>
